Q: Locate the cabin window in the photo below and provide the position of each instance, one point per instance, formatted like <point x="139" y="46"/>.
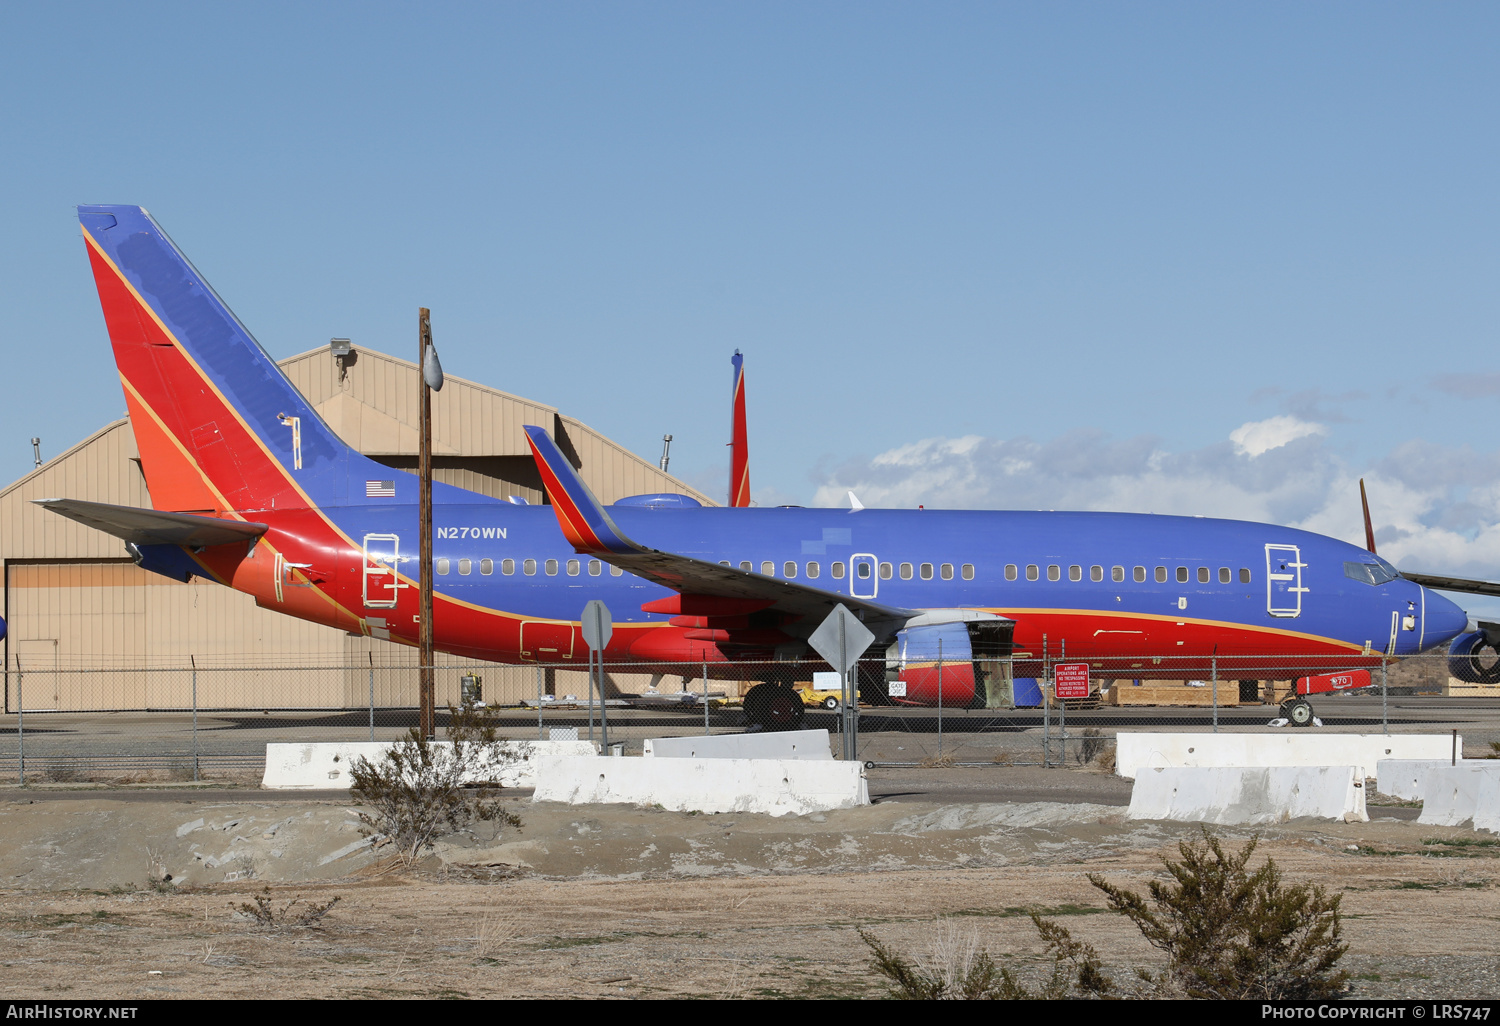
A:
<point x="1223" y="575"/>
<point x="744" y="564"/>
<point x="1096" y="573"/>
<point x="1140" y="574"/>
<point x="946" y="571"/>
<point x="1075" y="572"/>
<point x="789" y="568"/>
<point x="925" y="571"/>
<point x="863" y="571"/>
<point x="885" y="571"/>
<point x="813" y="570"/>
<point x="595" y="567"/>
<point x="723" y="562"/>
<point x="486" y="566"/>
<point x="1031" y="571"/>
<point x="1010" y="571"/>
<point x="507" y="567"/>
<point x="442" y="566"/>
<point x="1117" y="573"/>
<point x="1182" y="575"/>
<point x="1054" y="572"/>
<point x="615" y="571"/>
<point x="838" y="571"/>
<point x="465" y="567"/>
<point x="968" y="571"/>
<point x="1203" y="575"/>
<point x="768" y="567"/>
<point x="906" y="571"/>
<point x="1161" y="575"/>
<point x="574" y="566"/>
<point x="1244" y="575"/>
<point x="529" y="568"/>
<point x="551" y="568"/>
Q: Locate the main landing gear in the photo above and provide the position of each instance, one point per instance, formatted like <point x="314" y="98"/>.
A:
<point x="773" y="706"/>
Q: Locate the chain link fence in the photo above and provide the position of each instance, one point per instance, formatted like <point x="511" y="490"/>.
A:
<point x="195" y="722"/>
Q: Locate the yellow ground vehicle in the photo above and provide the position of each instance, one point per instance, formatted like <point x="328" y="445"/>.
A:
<point x="813" y="697"/>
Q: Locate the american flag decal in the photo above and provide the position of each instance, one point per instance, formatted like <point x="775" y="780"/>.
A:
<point x="380" y="489"/>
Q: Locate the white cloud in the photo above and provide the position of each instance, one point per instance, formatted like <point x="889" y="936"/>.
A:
<point x="1435" y="509"/>
<point x="1260" y="436"/>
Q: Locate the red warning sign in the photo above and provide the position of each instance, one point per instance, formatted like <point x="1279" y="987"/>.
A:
<point x="1071" y="679"/>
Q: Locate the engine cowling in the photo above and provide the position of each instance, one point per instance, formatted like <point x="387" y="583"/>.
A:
<point x="1475" y="657"/>
<point x="959" y="661"/>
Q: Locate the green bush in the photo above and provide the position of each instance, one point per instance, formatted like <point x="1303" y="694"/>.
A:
<point x="1230" y="933"/>
<point x="1226" y="932"/>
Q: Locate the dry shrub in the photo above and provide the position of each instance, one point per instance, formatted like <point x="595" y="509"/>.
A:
<point x="263" y="912"/>
<point x="420" y="790"/>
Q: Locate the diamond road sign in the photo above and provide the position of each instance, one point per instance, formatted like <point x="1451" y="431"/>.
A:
<point x="598" y="625"/>
<point x="841" y="639"/>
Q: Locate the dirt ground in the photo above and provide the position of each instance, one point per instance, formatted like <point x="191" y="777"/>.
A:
<point x="615" y="901"/>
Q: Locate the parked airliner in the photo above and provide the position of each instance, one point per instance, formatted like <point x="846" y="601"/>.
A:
<point x="252" y="489"/>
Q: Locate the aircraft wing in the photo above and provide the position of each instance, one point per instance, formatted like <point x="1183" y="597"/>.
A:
<point x="153" y="526"/>
<point x="591" y="531"/>
<point x="1459" y="584"/>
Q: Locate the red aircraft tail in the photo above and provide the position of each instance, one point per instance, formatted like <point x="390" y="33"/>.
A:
<point x="739" y="444"/>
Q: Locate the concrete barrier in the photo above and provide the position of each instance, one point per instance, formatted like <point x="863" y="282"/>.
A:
<point x="775" y="744"/>
<point x="1135" y="751"/>
<point x="1402" y="778"/>
<point x="1454" y="795"/>
<point x="773" y="786"/>
<point x="1487" y="805"/>
<point x="1240" y="795"/>
<point x="326" y="764"/>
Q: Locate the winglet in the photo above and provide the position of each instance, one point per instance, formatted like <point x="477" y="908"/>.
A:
<point x="1369" y="530"/>
<point x="584" y="523"/>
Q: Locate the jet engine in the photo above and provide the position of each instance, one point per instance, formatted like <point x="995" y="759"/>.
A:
<point x="1475" y="657"/>
<point x="959" y="663"/>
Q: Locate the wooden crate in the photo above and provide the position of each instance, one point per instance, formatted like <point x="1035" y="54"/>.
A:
<point x="1456" y="688"/>
<point x="1173" y="692"/>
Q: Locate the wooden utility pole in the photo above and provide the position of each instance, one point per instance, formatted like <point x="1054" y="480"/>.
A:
<point x="427" y="680"/>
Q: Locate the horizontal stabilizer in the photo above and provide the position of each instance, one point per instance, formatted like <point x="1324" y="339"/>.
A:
<point x="704" y="588"/>
<point x="1459" y="584"/>
<point x="153" y="526"/>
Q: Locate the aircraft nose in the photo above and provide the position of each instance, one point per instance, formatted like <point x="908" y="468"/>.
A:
<point x="1445" y="619"/>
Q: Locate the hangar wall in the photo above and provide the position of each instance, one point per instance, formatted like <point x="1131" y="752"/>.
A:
<point x="73" y="600"/>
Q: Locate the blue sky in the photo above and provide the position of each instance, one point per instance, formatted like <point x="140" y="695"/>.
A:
<point x="1209" y="258"/>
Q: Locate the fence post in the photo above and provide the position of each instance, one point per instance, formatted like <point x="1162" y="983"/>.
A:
<point x="194" y="664"/>
<point x="20" y="724"/>
<point x="1385" y="723"/>
<point x="940" y="698"/>
<point x="540" y="735"/>
<point x="1046" y="711"/>
<point x="372" y="694"/>
<point x="705" y="698"/>
<point x="1214" y="683"/>
<point x="1062" y="708"/>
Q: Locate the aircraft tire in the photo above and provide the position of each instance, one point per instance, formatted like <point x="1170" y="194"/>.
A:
<point x="830" y="703"/>
<point x="1300" y="713"/>
<point x="774" y="707"/>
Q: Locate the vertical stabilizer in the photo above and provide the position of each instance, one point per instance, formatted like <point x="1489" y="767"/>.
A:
<point x="739" y="442"/>
<point x="218" y="425"/>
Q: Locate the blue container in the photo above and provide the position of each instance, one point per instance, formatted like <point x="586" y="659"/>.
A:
<point x="1026" y="691"/>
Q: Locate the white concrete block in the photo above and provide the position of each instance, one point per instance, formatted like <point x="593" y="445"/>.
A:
<point x="773" y="786"/>
<point x="1402" y="778"/>
<point x="1487" y="804"/>
<point x="776" y="744"/>
<point x="326" y="764"/>
<point x="1241" y="795"/>
<point x="1135" y="751"/>
<point x="1451" y="795"/>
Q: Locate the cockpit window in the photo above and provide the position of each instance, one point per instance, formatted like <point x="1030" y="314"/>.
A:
<point x="1377" y="572"/>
